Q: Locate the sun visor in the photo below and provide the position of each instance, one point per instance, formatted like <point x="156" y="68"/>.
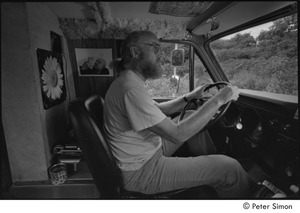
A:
<point x="180" y="9"/>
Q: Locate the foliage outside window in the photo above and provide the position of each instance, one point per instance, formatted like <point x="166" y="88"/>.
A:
<point x="268" y="62"/>
<point x="201" y="75"/>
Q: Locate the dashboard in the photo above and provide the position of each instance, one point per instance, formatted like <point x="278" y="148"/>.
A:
<point x="268" y="139"/>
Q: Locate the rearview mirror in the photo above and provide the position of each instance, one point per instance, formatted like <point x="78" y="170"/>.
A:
<point x="177" y="57"/>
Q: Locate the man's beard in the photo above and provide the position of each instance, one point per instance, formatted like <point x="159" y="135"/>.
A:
<point x="149" y="69"/>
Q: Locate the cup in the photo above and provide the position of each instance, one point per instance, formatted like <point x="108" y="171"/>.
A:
<point x="58" y="173"/>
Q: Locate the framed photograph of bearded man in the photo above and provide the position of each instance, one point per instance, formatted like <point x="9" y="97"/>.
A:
<point x="94" y="61"/>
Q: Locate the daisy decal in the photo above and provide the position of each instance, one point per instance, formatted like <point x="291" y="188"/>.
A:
<point x="52" y="78"/>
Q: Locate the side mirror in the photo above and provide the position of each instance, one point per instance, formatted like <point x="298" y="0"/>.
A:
<point x="177" y="57"/>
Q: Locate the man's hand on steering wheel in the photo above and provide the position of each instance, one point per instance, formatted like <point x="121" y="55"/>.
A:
<point x="199" y="93"/>
<point x="228" y="93"/>
<point x="224" y="96"/>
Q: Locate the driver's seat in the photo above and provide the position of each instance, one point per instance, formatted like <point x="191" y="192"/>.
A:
<point x="86" y="119"/>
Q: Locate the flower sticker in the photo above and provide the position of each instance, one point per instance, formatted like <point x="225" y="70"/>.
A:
<point x="51" y="75"/>
<point x="52" y="78"/>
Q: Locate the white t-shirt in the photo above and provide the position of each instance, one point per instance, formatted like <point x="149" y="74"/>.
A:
<point x="128" y="112"/>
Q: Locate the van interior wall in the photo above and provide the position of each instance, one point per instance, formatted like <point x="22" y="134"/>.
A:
<point x="30" y="131"/>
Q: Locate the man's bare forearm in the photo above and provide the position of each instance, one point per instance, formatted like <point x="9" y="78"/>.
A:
<point x="176" y="105"/>
<point x="188" y="127"/>
<point x="194" y="123"/>
<point x="171" y="106"/>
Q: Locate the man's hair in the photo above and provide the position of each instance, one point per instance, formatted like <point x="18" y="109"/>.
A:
<point x="130" y="40"/>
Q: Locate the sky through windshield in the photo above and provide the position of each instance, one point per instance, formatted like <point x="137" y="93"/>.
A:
<point x="254" y="31"/>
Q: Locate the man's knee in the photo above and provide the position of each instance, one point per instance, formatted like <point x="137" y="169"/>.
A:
<point x="230" y="165"/>
<point x="231" y="162"/>
<point x="234" y="180"/>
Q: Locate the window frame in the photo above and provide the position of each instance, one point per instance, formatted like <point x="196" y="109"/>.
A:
<point x="191" y="61"/>
<point x="191" y="65"/>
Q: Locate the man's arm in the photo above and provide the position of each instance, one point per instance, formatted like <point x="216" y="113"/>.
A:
<point x="172" y="106"/>
<point x="176" y="105"/>
<point x="181" y="132"/>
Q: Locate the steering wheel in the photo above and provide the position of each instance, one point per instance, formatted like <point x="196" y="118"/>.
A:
<point x="219" y="113"/>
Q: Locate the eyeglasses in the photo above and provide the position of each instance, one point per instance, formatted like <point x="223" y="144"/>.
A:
<point x="155" y="46"/>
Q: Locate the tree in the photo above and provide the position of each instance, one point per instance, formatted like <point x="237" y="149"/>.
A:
<point x="281" y="38"/>
<point x="243" y="40"/>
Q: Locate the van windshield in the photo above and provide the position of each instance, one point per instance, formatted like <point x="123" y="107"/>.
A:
<point x="262" y="58"/>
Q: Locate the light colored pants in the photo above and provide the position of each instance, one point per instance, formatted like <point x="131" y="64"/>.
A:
<point x="165" y="173"/>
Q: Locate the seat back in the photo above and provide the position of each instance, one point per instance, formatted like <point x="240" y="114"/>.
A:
<point x="94" y="105"/>
<point x="100" y="160"/>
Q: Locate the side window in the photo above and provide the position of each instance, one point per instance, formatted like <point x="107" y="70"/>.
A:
<point x="167" y="86"/>
<point x="263" y="58"/>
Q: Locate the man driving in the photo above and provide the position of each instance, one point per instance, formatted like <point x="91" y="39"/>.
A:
<point x="143" y="138"/>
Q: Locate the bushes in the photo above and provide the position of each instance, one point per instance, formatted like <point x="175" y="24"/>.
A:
<point x="267" y="63"/>
<point x="164" y="88"/>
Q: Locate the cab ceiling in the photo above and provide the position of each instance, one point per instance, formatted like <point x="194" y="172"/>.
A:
<point x="118" y="10"/>
<point x="234" y="14"/>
